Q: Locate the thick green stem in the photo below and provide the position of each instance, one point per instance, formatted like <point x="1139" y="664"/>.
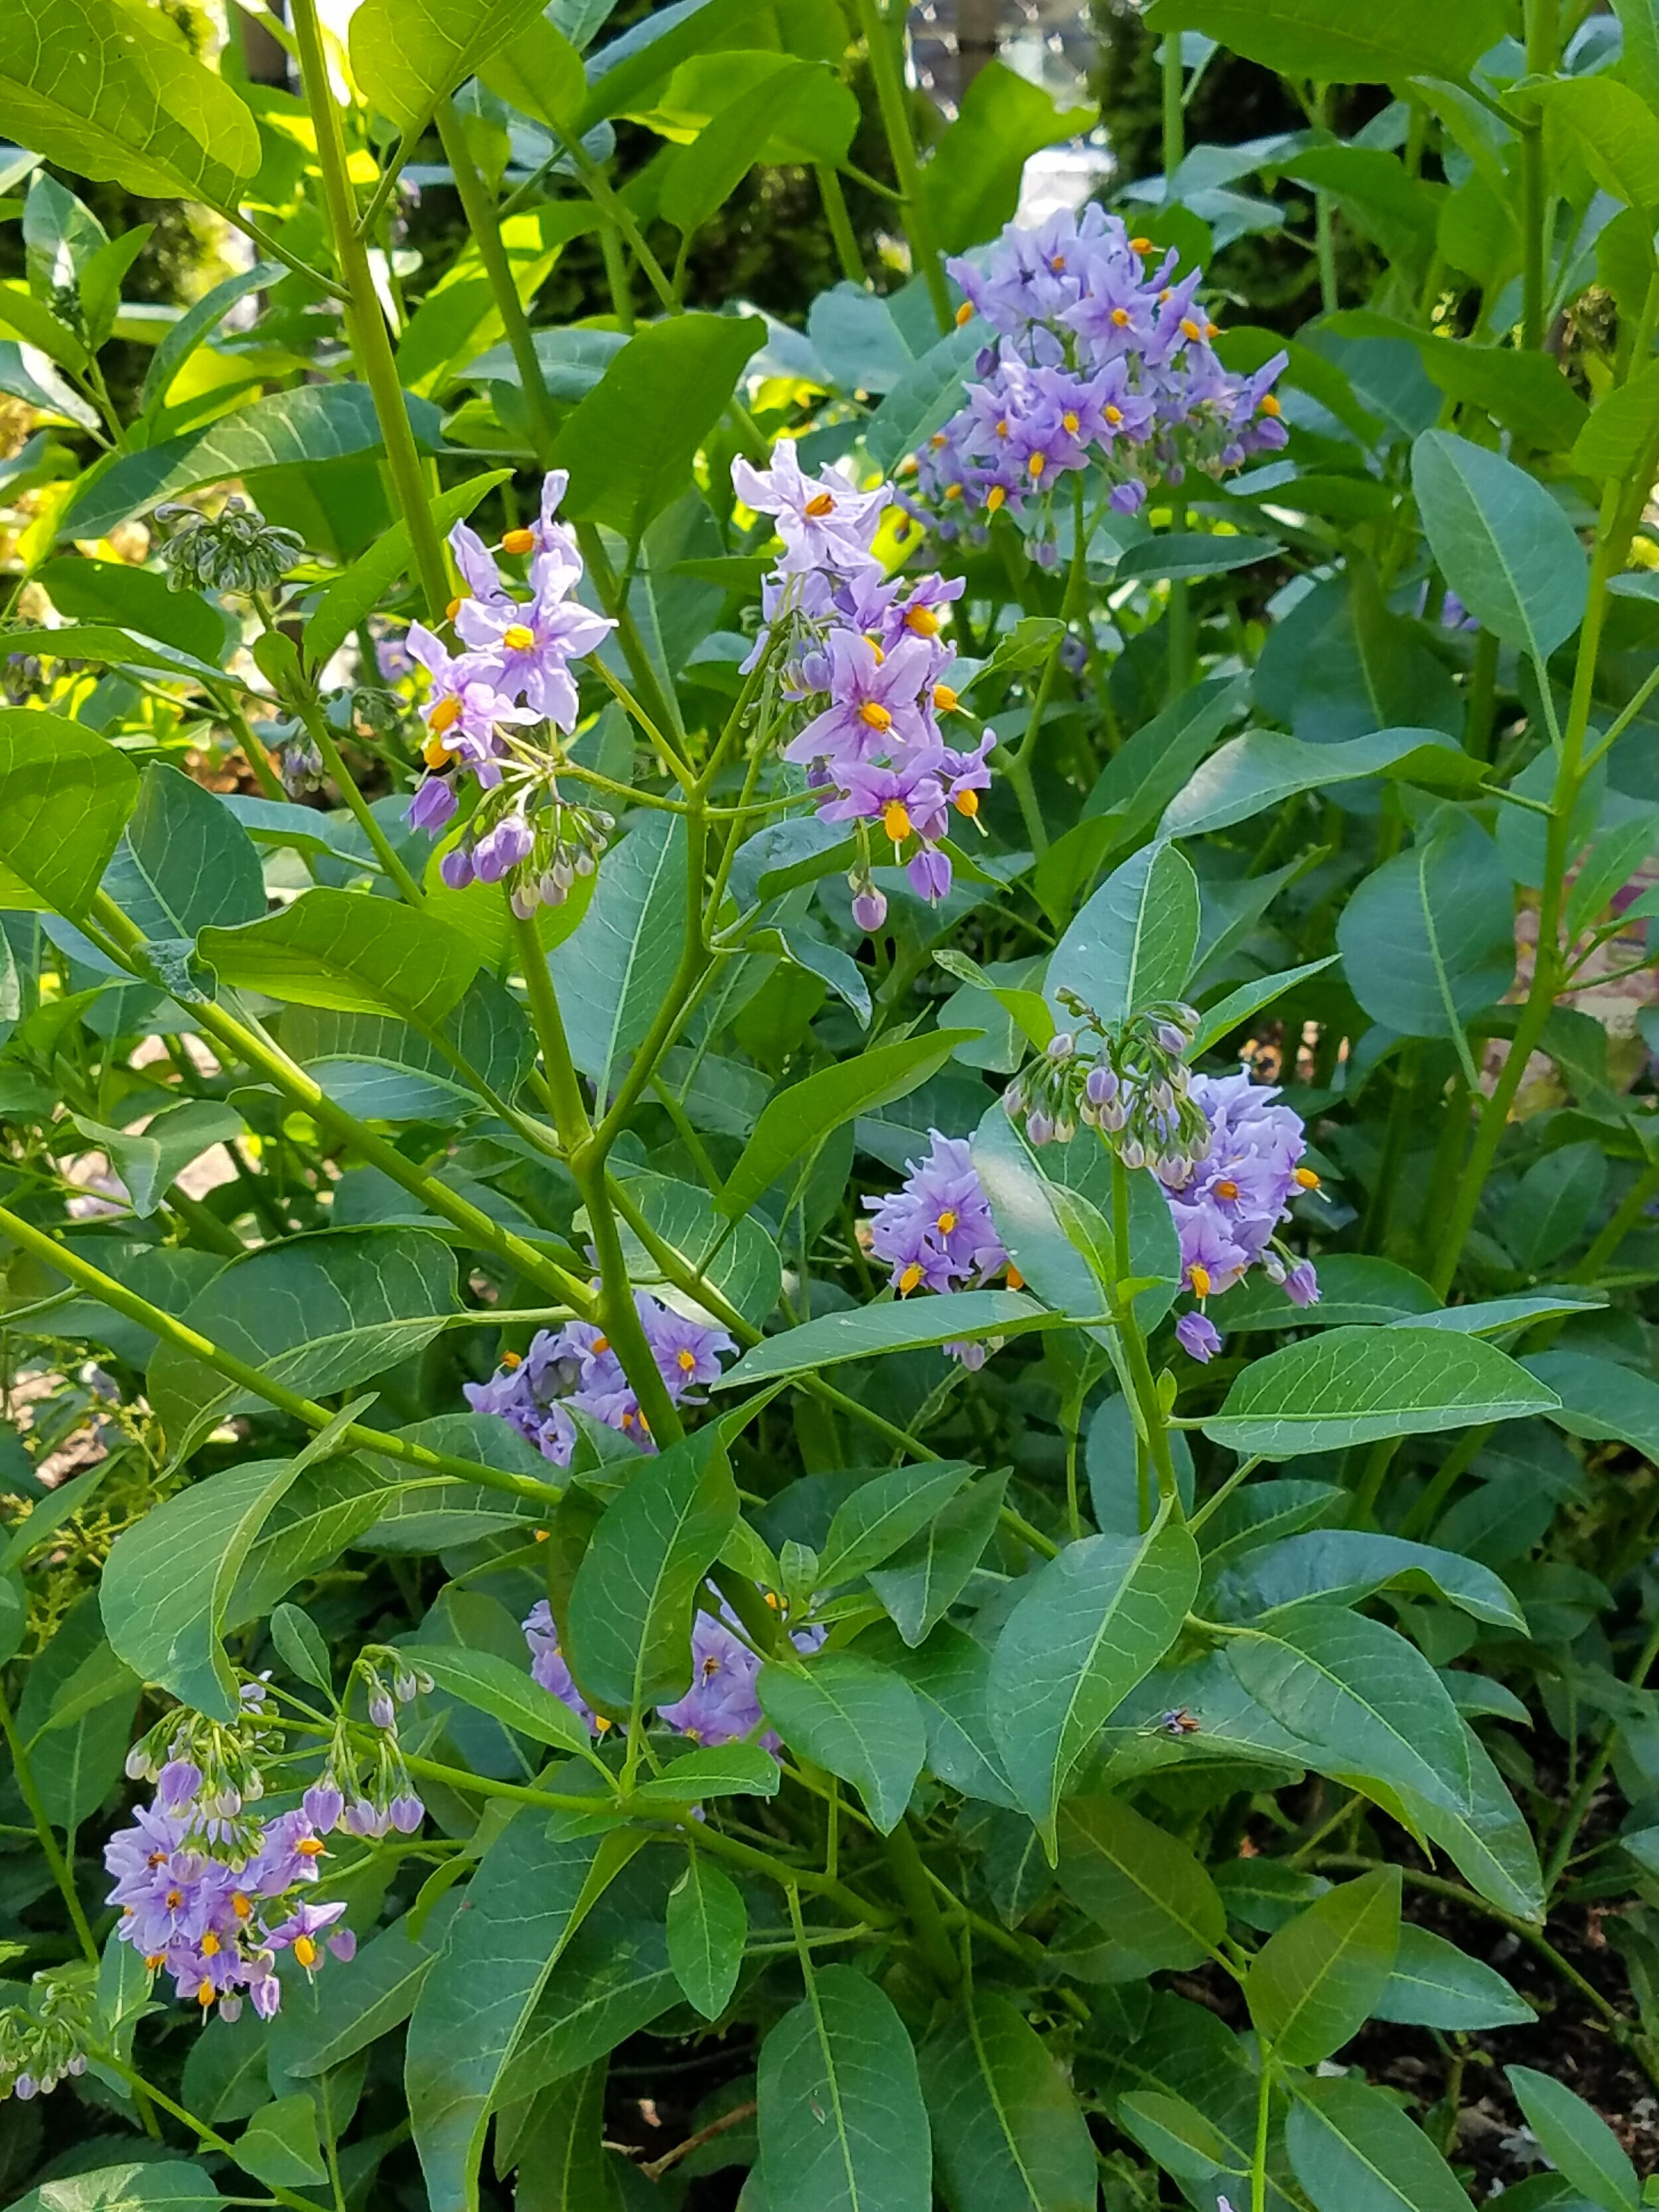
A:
<point x="569" y="1107"/>
<point x="615" y="255"/>
<point x="201" y="2130"/>
<point x="840" y="224"/>
<point x="30" y="1794"/>
<point x="910" y="1879"/>
<point x="881" y="39"/>
<point x="1541" y="26"/>
<point x="1263" y="2108"/>
<point x="1482" y="696"/>
<point x="365" y="322"/>
<point x="1150" y="1416"/>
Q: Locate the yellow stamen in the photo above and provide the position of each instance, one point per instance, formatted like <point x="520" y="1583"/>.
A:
<point x="1002" y="426"/>
<point x="965" y="313"/>
<point x="923" y="621"/>
<point x="1268" y="404"/>
<point x="711" y="1665"/>
<point x="1166" y="294"/>
<point x="1036" y="464"/>
<point x="821" y="505"/>
<point x="895" y="820"/>
<point x="944" y="699"/>
<point x="1307" y="1179"/>
<point x="175" y="1899"/>
<point x="1015" y="1280"/>
<point x="937" y="440"/>
<point x="686" y="1359"/>
<point x="909" y="1278"/>
<point x="518" y="541"/>
<point x="953" y="491"/>
<point x="206" y="1995"/>
<point x="601" y="1344"/>
<point x="1114" y="415"/>
<point x="875" y="715"/>
<point x="454" y="608"/>
<point x="511" y="1359"/>
<point x="874" y="644"/>
<point x="966" y="802"/>
<point x="601" y="1724"/>
<point x="436" y="754"/>
<point x="445" y="714"/>
<point x="211" y="1946"/>
<point x="1190" y="329"/>
<point x="240" y="1906"/>
<point x="155" y="1858"/>
<point x="311" y="1847"/>
<point x="1121" y="316"/>
<point x="518" y="638"/>
<point x="946" y="1222"/>
<point x="1072" y="422"/>
<point x="305" y="1950"/>
<point x="994" y="497"/>
<point x="1199" y="1278"/>
<point x="156" y="1960"/>
<point x="1140" y="246"/>
<point x="1213" y="330"/>
<point x="771" y="1597"/>
<point x="1226" y="1190"/>
<point x="1057" y="262"/>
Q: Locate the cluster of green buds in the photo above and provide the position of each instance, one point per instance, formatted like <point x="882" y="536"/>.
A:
<point x="1128" y="1080"/>
<point x="235" y="550"/>
<point x="229" y="1756"/>
<point x="46" y="2039"/>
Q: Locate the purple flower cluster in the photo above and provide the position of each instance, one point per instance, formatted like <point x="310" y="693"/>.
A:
<point x="866" y="649"/>
<point x="514" y="671"/>
<point x="1101" y="357"/>
<point x="577" y="1367"/>
<point x="936" y="1231"/>
<point x="1228" y="1205"/>
<point x="721" y="1704"/>
<point x="212" y="1899"/>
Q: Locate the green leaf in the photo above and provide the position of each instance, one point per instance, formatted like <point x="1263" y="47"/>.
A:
<point x="348" y="951"/>
<point x="557" y="2145"/>
<point x="65" y="794"/>
<point x="1526" y="392"/>
<point x="367" y="580"/>
<point x="407" y="58"/>
<point x="180" y="339"/>
<point x="949" y="1675"/>
<point x="48" y="1514"/>
<point x="919" y="1583"/>
<point x="972" y="182"/>
<point x="866" y="1332"/>
<point x="1315" y="1984"/>
<point x="1331" y="42"/>
<point x="1600" y="1398"/>
<point x="798" y="1119"/>
<point x="313" y="424"/>
<point x="798" y="99"/>
<point x="539" y="72"/>
<point x="1616" y="443"/>
<point x="1143" y="1887"/>
<point x="1354" y="1386"/>
<point x="353" y="2010"/>
<point x="1427" y="941"/>
<point x="1093" y="1622"/>
<point x="135" y="598"/>
<point x="1264" y="767"/>
<point x="882" y="1515"/>
<point x="507" y="1694"/>
<point x="184" y="863"/>
<point x="1501" y="542"/>
<point x="381" y="1069"/>
<point x="1190" y="553"/>
<point x="162" y="2184"/>
<point x="150" y="1163"/>
<point x="76" y="1716"/>
<point x="727" y="1770"/>
<point x="1007" y="2132"/>
<point x="925" y="397"/>
<point x="615" y="969"/>
<point x="1353" y="2150"/>
<point x="90" y="85"/>
<point x="1638" y="59"/>
<point x="1248" y="998"/>
<point x="533" y="1886"/>
<point x="317" y="1313"/>
<point x="636" y="1587"/>
<point x="1612" y="129"/>
<point x="280" y="2144"/>
<point x="630" y="445"/>
<point x="707" y="1928"/>
<point x="1434" y="1985"/>
<point x="168" y="1580"/>
<point x="301" y="1646"/>
<point x="842" y="2124"/>
<point x="1344" y="1565"/>
<point x="1577" y="2141"/>
<point x="746" y="1269"/>
<point x="1133" y="942"/>
<point x="123" y="648"/>
<point x="1178" y="2136"/>
<point x="857" y="1718"/>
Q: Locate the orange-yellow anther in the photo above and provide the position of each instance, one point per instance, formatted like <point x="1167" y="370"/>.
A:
<point x="207" y="1993"/>
<point x="909" y="1278"/>
<point x="601" y="1344"/>
<point x="895" y="820"/>
<point x="994" y="497"/>
<point x="453" y="609"/>
<point x="175" y="1899"/>
<point x="240" y="1906"/>
<point x="946" y="1222"/>
<point x="686" y="1359"/>
<point x="1036" y="464"/>
<point x="155" y="1960"/>
<point x="967" y="802"/>
<point x="1121" y="316"/>
<point x="923" y="621"/>
<point x="511" y="1359"/>
<point x="600" y="1724"/>
<point x="875" y="715"/>
<point x="211" y="1946"/>
<point x="1307" y="1179"/>
<point x="953" y="491"/>
<point x="1070" y="421"/>
<point x="305" y="1950"/>
<point x="1140" y="246"/>
<point x="446" y="713"/>
<point x="1268" y="405"/>
<point x="937" y="440"/>
<point x="944" y="699"/>
<point x="965" y="313"/>
<point x="821" y="504"/>
<point x="1199" y="1278"/>
<point x="518" y="541"/>
<point x="1213" y="330"/>
<point x="1114" y="415"/>
<point x="1015" y="1280"/>
<point x="1002" y="426"/>
<point x="1190" y="329"/>
<point x="519" y="637"/>
<point x="1226" y="1190"/>
<point x="436" y="754"/>
<point x="311" y="1847"/>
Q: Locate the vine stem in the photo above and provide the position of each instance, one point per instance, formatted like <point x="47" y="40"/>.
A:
<point x="882" y="45"/>
<point x="1153" y="1420"/>
<point x="29" y="1791"/>
<point x="1263" y="2111"/>
<point x="365" y="324"/>
<point x="1541" y="62"/>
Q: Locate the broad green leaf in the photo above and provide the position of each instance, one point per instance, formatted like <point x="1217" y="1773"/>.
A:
<point x="48" y="1514"/>
<point x="842" y="2124"/>
<point x="798" y="1118"/>
<point x="326" y="1510"/>
<point x="76" y="1715"/>
<point x="380" y="1069"/>
<point x="65" y="795"/>
<point x="707" y="1928"/>
<point x="1191" y="553"/>
<point x="348" y="951"/>
<point x="1007" y="2132"/>
<point x="1355" y="1289"/>
<point x="1264" y="767"/>
<point x="1178" y="2136"/>
<point x="114" y="647"/>
<point x="972" y="182"/>
<point x="313" y="424"/>
<point x="164" y="2185"/>
<point x="1094" y="1620"/>
<point x="950" y="1674"/>
<point x="406" y="57"/>
<point x="630" y="445"/>
<point x="882" y="1515"/>
<point x="1434" y="1985"/>
<point x="1577" y="2141"/>
<point x="316" y="1314"/>
<point x="857" y="1718"/>
<point x="184" y="863"/>
<point x="1133" y="942"/>
<point x="530" y="1892"/>
<point x="1493" y="1316"/>
<point x="612" y="973"/>
<point x="1140" y="1885"/>
<point x="1618" y="441"/>
<point x="1338" y="45"/>
<point x="727" y="1770"/>
<point x="134" y="599"/>
<point x="148" y="1163"/>
<point x="168" y="1582"/>
<point x="367" y="580"/>
<point x="1600" y="1398"/>
<point x="1501" y="542"/>
<point x="1638" y="60"/>
<point x="495" y="1687"/>
<point x="557" y="2146"/>
<point x="1612" y="129"/>
<point x="866" y="1332"/>
<point x="746" y="1268"/>
<point x="920" y="1583"/>
<point x="280" y="2145"/>
<point x="1316" y="1981"/>
<point x="1343" y="1566"/>
<point x="1526" y="392"/>
<point x="1354" y="1386"/>
<point x="1353" y="2150"/>
<point x="636" y="1587"/>
<point x="800" y="102"/>
<point x="88" y="84"/>
<point x="539" y="71"/>
<point x="925" y="397"/>
<point x="416" y="1518"/>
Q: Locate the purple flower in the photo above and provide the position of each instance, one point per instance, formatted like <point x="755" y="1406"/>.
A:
<point x="478" y="570"/>
<point x="721" y="1703"/>
<point x="299" y="1932"/>
<point x="869" y="909"/>
<point x="1198" y="1335"/>
<point x="936" y="1229"/>
<point x="433" y="805"/>
<point x="929" y="872"/>
<point x="824" y="521"/>
<point x="456" y="867"/>
<point x="875" y="702"/>
<point x="686" y="1352"/>
<point x="547" y="1663"/>
<point x="322" y="1806"/>
<point x="527" y="648"/>
<point x="503" y="847"/>
<point x="1302" y="1285"/>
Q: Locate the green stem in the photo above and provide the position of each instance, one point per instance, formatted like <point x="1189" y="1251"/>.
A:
<point x="1174" y="86"/>
<point x="1263" y="2109"/>
<point x="1573" y="1819"/>
<point x="662" y="707"/>
<point x="840" y="224"/>
<point x="882" y="40"/>
<point x="1153" y="1420"/>
<point x="30" y="1794"/>
<point x="619" y="217"/>
<point x="365" y="323"/>
<point x="911" y="1879"/>
<point x="617" y="277"/>
<point x="1629" y="1211"/>
<point x="1325" y="226"/>
<point x="346" y="784"/>
<point x="569" y="1108"/>
<point x="1482" y="696"/>
<point x="1540" y="29"/>
<point x="201" y="2130"/>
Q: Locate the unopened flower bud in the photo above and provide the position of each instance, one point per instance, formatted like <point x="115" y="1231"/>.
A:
<point x="1100" y="1086"/>
<point x="870" y="909"/>
<point x="1061" y="1046"/>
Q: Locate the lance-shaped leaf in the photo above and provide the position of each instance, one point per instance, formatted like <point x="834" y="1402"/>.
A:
<point x="1577" y="2141"/>
<point x="1354" y="1386"/>
<point x="631" y="1607"/>
<point x="922" y="1582"/>
<point x="842" y="2124"/>
<point x="707" y="1928"/>
<point x="408" y="54"/>
<point x="1093" y="1622"/>
<point x="885" y="1513"/>
<point x="1427" y="941"/>
<point x="348" y="951"/>
<point x="165" y="2184"/>
<point x="615" y="968"/>
<point x="1353" y="2150"/>
<point x="1315" y="1983"/>
<point x="532" y="1889"/>
<point x="1264" y="767"/>
<point x="801" y="103"/>
<point x="356" y="594"/>
<point x="500" y="1689"/>
<point x="1501" y="542"/>
<point x="1434" y="1985"/>
<point x="1340" y="44"/>
<point x="1155" y="1901"/>
<point x="907" y="1325"/>
<point x="723" y="1770"/>
<point x="65" y="795"/>
<point x="1007" y="2132"/>
<point x="1343" y="1566"/>
<point x="857" y="1718"/>
<point x="1133" y="942"/>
